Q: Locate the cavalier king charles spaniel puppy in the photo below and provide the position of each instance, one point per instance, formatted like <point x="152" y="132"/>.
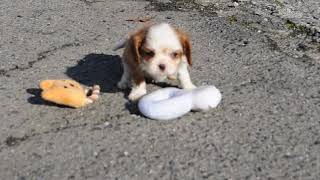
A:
<point x="157" y="52"/>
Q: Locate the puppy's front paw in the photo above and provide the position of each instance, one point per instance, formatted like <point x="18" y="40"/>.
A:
<point x="136" y="94"/>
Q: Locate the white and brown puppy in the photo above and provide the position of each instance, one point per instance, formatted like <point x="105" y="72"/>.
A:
<point x="157" y="52"/>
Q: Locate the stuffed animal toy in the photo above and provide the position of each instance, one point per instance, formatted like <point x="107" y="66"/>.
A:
<point x="68" y="92"/>
<point x="170" y="103"/>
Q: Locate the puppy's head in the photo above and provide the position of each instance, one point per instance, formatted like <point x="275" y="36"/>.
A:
<point x="159" y="50"/>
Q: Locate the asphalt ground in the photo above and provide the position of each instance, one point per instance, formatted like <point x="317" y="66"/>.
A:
<point x="266" y="66"/>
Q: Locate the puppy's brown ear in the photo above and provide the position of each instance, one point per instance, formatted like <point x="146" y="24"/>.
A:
<point x="135" y="42"/>
<point x="184" y="39"/>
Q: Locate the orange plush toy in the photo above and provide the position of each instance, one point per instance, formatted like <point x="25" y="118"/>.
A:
<point x="68" y="92"/>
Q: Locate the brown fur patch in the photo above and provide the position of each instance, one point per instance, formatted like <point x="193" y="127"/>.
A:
<point x="132" y="54"/>
<point x="186" y="44"/>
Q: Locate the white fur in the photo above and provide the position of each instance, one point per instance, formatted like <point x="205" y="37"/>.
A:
<point x="138" y="91"/>
<point x="162" y="36"/>
<point x="183" y="75"/>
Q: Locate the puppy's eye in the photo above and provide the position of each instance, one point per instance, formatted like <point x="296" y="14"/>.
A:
<point x="147" y="53"/>
<point x="174" y="55"/>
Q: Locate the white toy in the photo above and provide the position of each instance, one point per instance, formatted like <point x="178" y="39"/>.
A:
<point x="170" y="103"/>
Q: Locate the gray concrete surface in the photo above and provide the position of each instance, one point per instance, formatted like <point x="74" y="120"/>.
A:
<point x="263" y="59"/>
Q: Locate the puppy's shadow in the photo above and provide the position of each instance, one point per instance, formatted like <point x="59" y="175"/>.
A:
<point x="101" y="69"/>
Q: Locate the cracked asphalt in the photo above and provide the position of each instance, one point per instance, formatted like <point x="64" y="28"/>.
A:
<point x="263" y="56"/>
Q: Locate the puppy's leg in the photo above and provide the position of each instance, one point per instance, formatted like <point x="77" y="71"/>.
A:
<point x="125" y="81"/>
<point x="138" y="90"/>
<point x="139" y="85"/>
<point x="184" y="77"/>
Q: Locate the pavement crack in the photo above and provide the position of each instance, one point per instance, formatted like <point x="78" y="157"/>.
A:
<point x="40" y="56"/>
<point x="12" y="141"/>
<point x="181" y="5"/>
<point x="90" y="2"/>
<point x="15" y="141"/>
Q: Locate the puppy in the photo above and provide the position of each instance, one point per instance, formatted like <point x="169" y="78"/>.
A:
<point x="157" y="52"/>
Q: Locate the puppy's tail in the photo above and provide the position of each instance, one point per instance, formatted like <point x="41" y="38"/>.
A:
<point x="120" y="45"/>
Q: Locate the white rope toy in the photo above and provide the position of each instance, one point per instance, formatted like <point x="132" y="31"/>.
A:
<point x="170" y="103"/>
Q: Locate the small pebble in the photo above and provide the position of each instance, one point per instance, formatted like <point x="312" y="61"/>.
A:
<point x="95" y="154"/>
<point x="106" y="124"/>
<point x="126" y="153"/>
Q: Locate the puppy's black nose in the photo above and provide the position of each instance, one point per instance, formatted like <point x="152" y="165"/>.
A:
<point x="162" y="67"/>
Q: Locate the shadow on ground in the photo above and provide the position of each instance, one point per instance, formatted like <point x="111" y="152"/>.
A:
<point x="101" y="69"/>
<point x="104" y="70"/>
<point x="37" y="100"/>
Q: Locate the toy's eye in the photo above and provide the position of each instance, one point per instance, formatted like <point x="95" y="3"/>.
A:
<point x="71" y="85"/>
<point x="65" y="87"/>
